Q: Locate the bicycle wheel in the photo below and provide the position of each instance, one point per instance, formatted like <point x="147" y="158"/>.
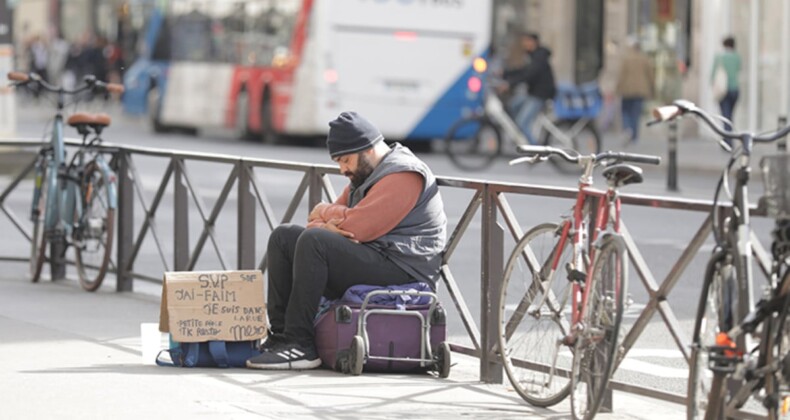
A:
<point x="777" y="351"/>
<point x="38" y="241"/>
<point x="473" y="143"/>
<point x="595" y="354"/>
<point x="715" y="314"/>
<point x="531" y="322"/>
<point x="93" y="233"/>
<point x="577" y="135"/>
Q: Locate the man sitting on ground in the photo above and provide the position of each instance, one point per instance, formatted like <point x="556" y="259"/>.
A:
<point x="386" y="228"/>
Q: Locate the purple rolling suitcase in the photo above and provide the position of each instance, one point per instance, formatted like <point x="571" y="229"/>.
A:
<point x="376" y="338"/>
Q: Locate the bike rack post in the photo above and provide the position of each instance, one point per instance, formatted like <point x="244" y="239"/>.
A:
<point x="246" y="219"/>
<point x="57" y="252"/>
<point x="314" y="188"/>
<point x="781" y="145"/>
<point x="124" y="278"/>
<point x="490" y="286"/>
<point x="180" y="218"/>
<point x="672" y="174"/>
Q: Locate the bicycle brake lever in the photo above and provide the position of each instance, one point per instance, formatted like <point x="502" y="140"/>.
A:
<point x="725" y="146"/>
<point x="528" y="159"/>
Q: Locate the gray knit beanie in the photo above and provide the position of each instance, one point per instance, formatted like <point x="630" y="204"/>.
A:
<point x="351" y="133"/>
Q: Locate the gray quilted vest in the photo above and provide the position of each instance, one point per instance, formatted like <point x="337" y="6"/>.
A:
<point x="416" y="243"/>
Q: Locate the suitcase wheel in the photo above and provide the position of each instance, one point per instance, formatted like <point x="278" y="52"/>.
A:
<point x="356" y="355"/>
<point x="443" y="360"/>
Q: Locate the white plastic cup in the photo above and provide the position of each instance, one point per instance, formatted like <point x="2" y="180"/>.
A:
<point x="150" y="342"/>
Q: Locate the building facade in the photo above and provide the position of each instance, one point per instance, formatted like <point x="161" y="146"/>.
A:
<point x="586" y="38"/>
<point x="682" y="38"/>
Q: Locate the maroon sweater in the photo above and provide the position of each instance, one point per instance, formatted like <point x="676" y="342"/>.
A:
<point x="387" y="202"/>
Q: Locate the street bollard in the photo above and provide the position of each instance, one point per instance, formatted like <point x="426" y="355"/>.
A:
<point x="672" y="169"/>
<point x="781" y="145"/>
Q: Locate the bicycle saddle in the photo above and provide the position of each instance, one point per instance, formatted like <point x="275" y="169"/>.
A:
<point x="93" y="120"/>
<point x="623" y="174"/>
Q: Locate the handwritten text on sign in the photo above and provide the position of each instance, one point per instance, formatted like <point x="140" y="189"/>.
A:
<point x="217" y="305"/>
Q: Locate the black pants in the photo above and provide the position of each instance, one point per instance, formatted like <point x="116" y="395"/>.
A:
<point x="305" y="264"/>
<point x="727" y="105"/>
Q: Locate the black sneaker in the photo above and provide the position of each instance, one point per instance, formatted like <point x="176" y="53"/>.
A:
<point x="285" y="356"/>
<point x="272" y="340"/>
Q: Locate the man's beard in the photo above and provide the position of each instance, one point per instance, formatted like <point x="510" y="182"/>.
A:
<point x="364" y="169"/>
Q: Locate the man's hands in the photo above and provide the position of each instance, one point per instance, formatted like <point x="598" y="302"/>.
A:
<point x="314" y="219"/>
<point x="315" y="214"/>
<point x="332" y="226"/>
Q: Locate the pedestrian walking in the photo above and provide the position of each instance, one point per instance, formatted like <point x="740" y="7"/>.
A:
<point x="727" y="63"/>
<point x="635" y="84"/>
<point x="39" y="57"/>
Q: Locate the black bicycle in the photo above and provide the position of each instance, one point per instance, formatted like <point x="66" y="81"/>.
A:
<point x="741" y="364"/>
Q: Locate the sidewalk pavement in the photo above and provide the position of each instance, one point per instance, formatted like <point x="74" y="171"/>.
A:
<point x="66" y="353"/>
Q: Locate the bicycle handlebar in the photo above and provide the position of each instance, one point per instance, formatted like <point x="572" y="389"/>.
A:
<point x="535" y="153"/>
<point x="17" y="76"/>
<point x="681" y="107"/>
<point x="90" y="84"/>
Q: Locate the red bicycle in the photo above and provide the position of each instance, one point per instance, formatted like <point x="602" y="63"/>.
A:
<point x="564" y="290"/>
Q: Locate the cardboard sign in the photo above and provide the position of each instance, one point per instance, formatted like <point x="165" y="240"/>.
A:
<point x="202" y="306"/>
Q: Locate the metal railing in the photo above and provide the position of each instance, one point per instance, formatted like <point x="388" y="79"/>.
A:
<point x="489" y="199"/>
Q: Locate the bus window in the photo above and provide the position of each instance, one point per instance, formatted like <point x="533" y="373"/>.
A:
<point x="192" y="38"/>
<point x="161" y="49"/>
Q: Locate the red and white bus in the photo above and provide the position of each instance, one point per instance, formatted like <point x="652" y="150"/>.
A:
<point x="290" y="66"/>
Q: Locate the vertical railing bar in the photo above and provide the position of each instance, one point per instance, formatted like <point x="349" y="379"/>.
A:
<point x="315" y="193"/>
<point x="180" y="218"/>
<point x="245" y="219"/>
<point x="125" y="223"/>
<point x="491" y="279"/>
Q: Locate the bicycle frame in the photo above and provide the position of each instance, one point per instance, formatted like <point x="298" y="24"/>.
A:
<point x="607" y="214"/>
<point x="64" y="207"/>
<point x="495" y="109"/>
<point x="565" y="137"/>
<point x="737" y="239"/>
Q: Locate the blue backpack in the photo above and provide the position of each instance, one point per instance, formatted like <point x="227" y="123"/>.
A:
<point x="210" y="354"/>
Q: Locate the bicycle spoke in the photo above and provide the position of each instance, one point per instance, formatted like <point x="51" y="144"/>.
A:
<point x="95" y="230"/>
<point x="532" y="322"/>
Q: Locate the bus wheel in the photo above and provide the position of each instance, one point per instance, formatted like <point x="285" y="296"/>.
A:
<point x="268" y="135"/>
<point x="155" y="110"/>
<point x="242" y="114"/>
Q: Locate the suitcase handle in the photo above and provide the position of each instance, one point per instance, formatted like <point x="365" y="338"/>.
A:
<point x="431" y="295"/>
